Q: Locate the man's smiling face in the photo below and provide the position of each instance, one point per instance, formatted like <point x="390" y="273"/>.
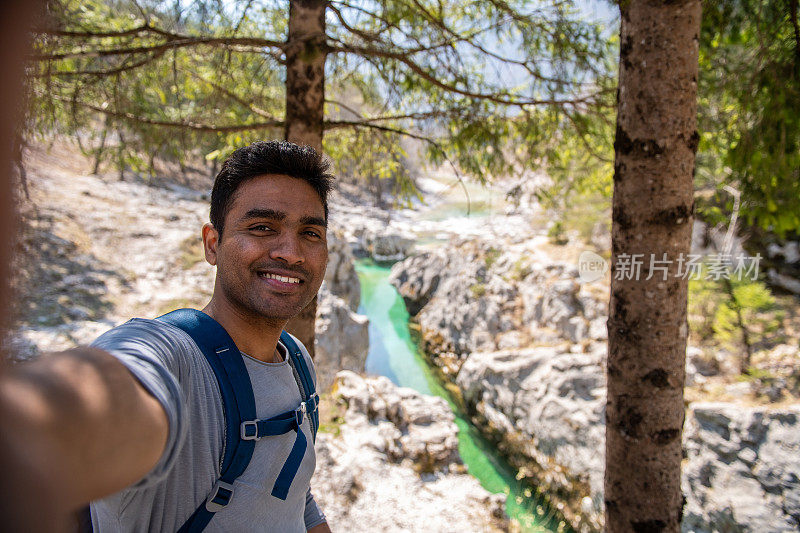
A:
<point x="272" y="256"/>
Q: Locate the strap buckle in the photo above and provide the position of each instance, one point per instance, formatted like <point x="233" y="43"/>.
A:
<point x="314" y="401"/>
<point x="249" y="430"/>
<point x="300" y="413"/>
<point x="220" y="496"/>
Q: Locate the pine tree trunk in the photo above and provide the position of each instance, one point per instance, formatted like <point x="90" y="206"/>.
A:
<point x="305" y="98"/>
<point x="653" y="208"/>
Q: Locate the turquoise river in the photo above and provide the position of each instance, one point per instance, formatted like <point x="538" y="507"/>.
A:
<point x="393" y="353"/>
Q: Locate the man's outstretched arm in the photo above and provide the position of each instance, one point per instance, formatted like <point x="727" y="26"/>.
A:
<point x="320" y="528"/>
<point x="79" y="426"/>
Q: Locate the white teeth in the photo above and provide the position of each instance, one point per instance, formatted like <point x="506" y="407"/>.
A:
<point x="282" y="278"/>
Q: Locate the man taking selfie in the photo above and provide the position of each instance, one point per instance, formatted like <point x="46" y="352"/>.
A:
<point x="197" y="420"/>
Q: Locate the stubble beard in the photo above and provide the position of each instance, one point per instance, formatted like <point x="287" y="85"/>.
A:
<point x="273" y="310"/>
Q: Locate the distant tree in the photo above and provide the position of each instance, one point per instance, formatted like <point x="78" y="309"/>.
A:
<point x="491" y="86"/>
<point x="656" y="141"/>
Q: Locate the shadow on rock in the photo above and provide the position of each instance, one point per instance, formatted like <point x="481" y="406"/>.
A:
<point x="56" y="280"/>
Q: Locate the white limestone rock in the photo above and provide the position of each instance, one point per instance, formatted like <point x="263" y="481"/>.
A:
<point x="341" y="338"/>
<point x="417" y="278"/>
<point x="395" y="465"/>
<point x="554" y="400"/>
<point x="742" y="470"/>
<point x="340" y="276"/>
<point x="386" y="245"/>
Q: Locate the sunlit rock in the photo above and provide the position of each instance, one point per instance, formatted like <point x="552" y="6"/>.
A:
<point x="341" y="338"/>
<point x="417" y="278"/>
<point x="545" y="408"/>
<point x="395" y="466"/>
<point x="387" y="246"/>
<point x="340" y="276"/>
<point x="742" y="470"/>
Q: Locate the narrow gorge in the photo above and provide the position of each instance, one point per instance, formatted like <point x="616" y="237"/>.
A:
<point x="489" y="414"/>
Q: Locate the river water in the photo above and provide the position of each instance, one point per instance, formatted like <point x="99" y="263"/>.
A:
<point x="393" y="353"/>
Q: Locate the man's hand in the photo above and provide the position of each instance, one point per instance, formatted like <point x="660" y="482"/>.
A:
<point x="82" y="426"/>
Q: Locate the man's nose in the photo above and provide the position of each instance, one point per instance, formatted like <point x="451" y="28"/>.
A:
<point x="287" y="248"/>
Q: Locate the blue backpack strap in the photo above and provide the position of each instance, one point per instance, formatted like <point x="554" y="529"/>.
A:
<point x="278" y="425"/>
<point x="289" y="421"/>
<point x="306" y="382"/>
<point x="238" y="401"/>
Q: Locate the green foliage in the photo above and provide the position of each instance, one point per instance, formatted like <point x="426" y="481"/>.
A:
<point x="374" y="158"/>
<point x="749" y="112"/>
<point x="477" y="290"/>
<point x="520" y="269"/>
<point x="755" y="303"/>
<point x="491" y="257"/>
<point x="754" y="374"/>
<point x="705" y="297"/>
<point x="557" y="233"/>
<point x="718" y="312"/>
<point x="488" y="87"/>
<point x="582" y="212"/>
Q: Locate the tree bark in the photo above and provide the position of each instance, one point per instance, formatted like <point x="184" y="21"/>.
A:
<point x="306" y="52"/>
<point x="655" y="146"/>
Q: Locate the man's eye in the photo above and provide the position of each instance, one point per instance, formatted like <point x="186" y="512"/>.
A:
<point x="313" y="233"/>
<point x="260" y="227"/>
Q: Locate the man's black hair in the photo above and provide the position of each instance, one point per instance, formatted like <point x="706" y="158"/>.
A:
<point x="268" y="157"/>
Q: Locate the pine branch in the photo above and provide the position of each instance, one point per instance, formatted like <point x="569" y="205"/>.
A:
<point x="56" y="32"/>
<point x="419" y="115"/>
<point x="185" y="125"/>
<point x="102" y="73"/>
<point x="250" y="106"/>
<point x="498" y="98"/>
<point x="173" y="41"/>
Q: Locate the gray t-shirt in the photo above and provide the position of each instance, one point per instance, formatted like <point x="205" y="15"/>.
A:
<point x="173" y="369"/>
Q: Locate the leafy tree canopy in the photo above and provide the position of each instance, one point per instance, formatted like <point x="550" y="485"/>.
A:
<point x="490" y="86"/>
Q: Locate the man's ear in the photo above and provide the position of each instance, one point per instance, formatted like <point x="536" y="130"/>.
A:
<point x="210" y="241"/>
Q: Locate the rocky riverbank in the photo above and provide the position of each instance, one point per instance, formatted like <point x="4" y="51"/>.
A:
<point x="94" y="251"/>
<point x="523" y="341"/>
<point x="503" y="317"/>
<point x="520" y="338"/>
<point x="393" y="465"/>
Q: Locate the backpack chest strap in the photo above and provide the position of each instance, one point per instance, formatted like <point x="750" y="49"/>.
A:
<point x="279" y="425"/>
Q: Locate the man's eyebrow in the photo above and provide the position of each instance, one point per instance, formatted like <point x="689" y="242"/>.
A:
<point x="314" y="221"/>
<point x="273" y="214"/>
<point x="264" y="213"/>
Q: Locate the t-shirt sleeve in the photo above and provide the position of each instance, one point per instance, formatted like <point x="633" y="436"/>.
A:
<point x="151" y="351"/>
<point x="313" y="515"/>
